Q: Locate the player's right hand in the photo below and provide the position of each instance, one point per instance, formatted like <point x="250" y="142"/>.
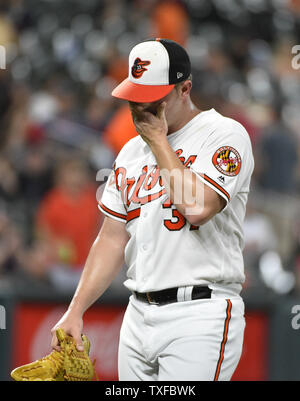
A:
<point x="72" y="325"/>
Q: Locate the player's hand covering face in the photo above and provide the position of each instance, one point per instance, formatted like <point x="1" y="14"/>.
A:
<point x="150" y="120"/>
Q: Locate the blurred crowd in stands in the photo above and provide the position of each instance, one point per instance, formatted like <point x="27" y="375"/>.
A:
<point x="59" y="124"/>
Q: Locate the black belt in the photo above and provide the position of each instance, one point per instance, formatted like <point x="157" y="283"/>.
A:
<point x="170" y="295"/>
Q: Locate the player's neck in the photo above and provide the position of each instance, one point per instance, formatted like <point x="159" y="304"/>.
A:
<point x="187" y="114"/>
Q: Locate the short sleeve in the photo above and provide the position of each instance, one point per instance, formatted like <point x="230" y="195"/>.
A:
<point x="225" y="162"/>
<point x="111" y="203"/>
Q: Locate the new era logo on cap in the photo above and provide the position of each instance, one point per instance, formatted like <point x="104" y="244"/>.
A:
<point x="155" y="66"/>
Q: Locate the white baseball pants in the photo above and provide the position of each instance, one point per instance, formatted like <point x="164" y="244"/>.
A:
<point x="199" y="340"/>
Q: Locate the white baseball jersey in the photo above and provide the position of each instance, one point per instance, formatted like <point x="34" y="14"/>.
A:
<point x="164" y="250"/>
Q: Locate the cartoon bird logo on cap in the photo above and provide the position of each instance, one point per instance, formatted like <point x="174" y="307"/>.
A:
<point x="138" y="68"/>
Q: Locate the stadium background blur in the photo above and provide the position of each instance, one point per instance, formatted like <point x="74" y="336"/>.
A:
<point x="59" y="126"/>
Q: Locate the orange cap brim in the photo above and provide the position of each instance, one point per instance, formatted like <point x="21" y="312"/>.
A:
<point x="132" y="92"/>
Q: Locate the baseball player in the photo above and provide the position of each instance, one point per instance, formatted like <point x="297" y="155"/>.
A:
<point x="174" y="205"/>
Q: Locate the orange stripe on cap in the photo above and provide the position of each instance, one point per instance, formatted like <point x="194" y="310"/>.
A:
<point x="158" y="39"/>
<point x="224" y="341"/>
<point x="112" y="212"/>
<point x="215" y="184"/>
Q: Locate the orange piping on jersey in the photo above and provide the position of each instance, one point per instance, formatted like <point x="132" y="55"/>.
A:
<point x="133" y="214"/>
<point x="225" y="336"/>
<point x="215" y="184"/>
<point x="112" y="212"/>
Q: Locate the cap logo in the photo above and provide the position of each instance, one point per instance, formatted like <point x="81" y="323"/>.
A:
<point x="138" y="68"/>
<point x="179" y="75"/>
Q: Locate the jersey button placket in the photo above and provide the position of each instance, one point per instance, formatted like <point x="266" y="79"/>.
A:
<point x="143" y="248"/>
<point x="144" y="230"/>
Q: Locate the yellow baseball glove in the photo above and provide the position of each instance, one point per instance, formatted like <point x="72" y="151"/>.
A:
<point x="69" y="364"/>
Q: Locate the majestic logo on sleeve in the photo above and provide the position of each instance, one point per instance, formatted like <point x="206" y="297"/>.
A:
<point x="138" y="68"/>
<point x="227" y="160"/>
